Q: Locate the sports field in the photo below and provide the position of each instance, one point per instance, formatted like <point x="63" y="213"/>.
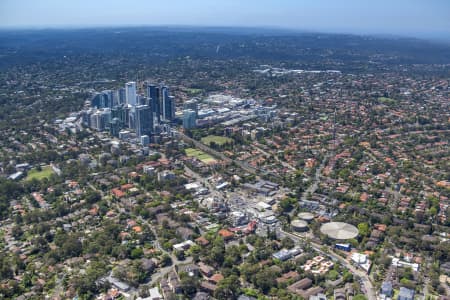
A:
<point x="200" y="155"/>
<point x="387" y="101"/>
<point x="218" y="140"/>
<point x="39" y="175"/>
<point x="193" y="92"/>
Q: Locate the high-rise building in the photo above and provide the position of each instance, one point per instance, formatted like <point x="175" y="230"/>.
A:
<point x="145" y="140"/>
<point x="121" y="112"/>
<point x="191" y="104"/>
<point x="168" y="105"/>
<point x="106" y="99"/>
<point x="106" y="118"/>
<point x="189" y="119"/>
<point x="116" y="100"/>
<point x="115" y="127"/>
<point x="143" y="122"/>
<point x="122" y="96"/>
<point x="86" y="117"/>
<point x="130" y="88"/>
<point x="96" y="120"/>
<point x="100" y="119"/>
<point x="152" y="92"/>
<point x="96" y="100"/>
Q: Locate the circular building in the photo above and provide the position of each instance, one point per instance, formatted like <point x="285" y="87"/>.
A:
<point x="339" y="230"/>
<point x="306" y="216"/>
<point x="299" y="225"/>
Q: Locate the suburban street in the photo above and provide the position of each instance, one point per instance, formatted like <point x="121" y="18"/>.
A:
<point x="369" y="289"/>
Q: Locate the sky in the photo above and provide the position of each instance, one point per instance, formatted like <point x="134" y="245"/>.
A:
<point x="419" y="18"/>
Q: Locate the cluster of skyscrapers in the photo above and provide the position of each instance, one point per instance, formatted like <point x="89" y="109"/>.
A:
<point x="118" y="110"/>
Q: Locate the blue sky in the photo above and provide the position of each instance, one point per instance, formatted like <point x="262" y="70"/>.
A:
<point x="422" y="18"/>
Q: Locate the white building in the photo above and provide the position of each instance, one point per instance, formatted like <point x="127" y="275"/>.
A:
<point x="362" y="261"/>
<point x="130" y="93"/>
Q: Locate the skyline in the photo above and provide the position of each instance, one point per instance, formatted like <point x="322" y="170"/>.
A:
<point x="413" y="18"/>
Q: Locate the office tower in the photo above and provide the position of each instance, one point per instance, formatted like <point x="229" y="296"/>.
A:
<point x="189" y="119"/>
<point x="96" y="100"/>
<point x="145" y="140"/>
<point x="116" y="100"/>
<point x="163" y="99"/>
<point x="105" y="118"/>
<point x="143" y="122"/>
<point x="140" y="100"/>
<point x="121" y="112"/>
<point x="130" y="88"/>
<point x="191" y="104"/>
<point x="131" y="117"/>
<point x="115" y="127"/>
<point x="168" y="105"/>
<point x="95" y="120"/>
<point x="122" y="96"/>
<point x="86" y="117"/>
<point x="152" y="92"/>
<point x="100" y="119"/>
<point x="106" y="99"/>
<point x="170" y="109"/>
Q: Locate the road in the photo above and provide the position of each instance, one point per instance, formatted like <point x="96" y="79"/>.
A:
<point x="283" y="163"/>
<point x="313" y="187"/>
<point x="175" y="262"/>
<point x="368" y="286"/>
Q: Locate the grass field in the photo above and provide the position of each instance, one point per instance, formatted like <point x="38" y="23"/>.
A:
<point x="218" y="140"/>
<point x="200" y="155"/>
<point x="39" y="175"/>
<point x="193" y="92"/>
<point x="387" y="101"/>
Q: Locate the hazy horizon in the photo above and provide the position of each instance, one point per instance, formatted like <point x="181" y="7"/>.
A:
<point x="421" y="19"/>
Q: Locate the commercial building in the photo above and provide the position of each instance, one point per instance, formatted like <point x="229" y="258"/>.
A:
<point x="143" y="120"/>
<point x="115" y="110"/>
<point x="191" y="104"/>
<point x="285" y="254"/>
<point x="168" y="105"/>
<point x="130" y="88"/>
<point x="406" y="294"/>
<point x="189" y="119"/>
<point x="145" y="140"/>
<point x="386" y="289"/>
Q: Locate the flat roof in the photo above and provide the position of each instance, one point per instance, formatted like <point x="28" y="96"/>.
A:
<point x="339" y="230"/>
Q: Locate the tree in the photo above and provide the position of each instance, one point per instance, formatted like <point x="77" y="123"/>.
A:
<point x="333" y="275"/>
<point x="363" y="229"/>
<point x="228" y="288"/>
<point x="71" y="247"/>
<point x="166" y="260"/>
<point x="286" y="204"/>
<point x="265" y="280"/>
<point x="287" y="242"/>
<point x="179" y="254"/>
<point x="137" y="253"/>
<point x="217" y="255"/>
<point x="17" y="232"/>
<point x="249" y="270"/>
<point x="188" y="284"/>
<point x="93" y="197"/>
